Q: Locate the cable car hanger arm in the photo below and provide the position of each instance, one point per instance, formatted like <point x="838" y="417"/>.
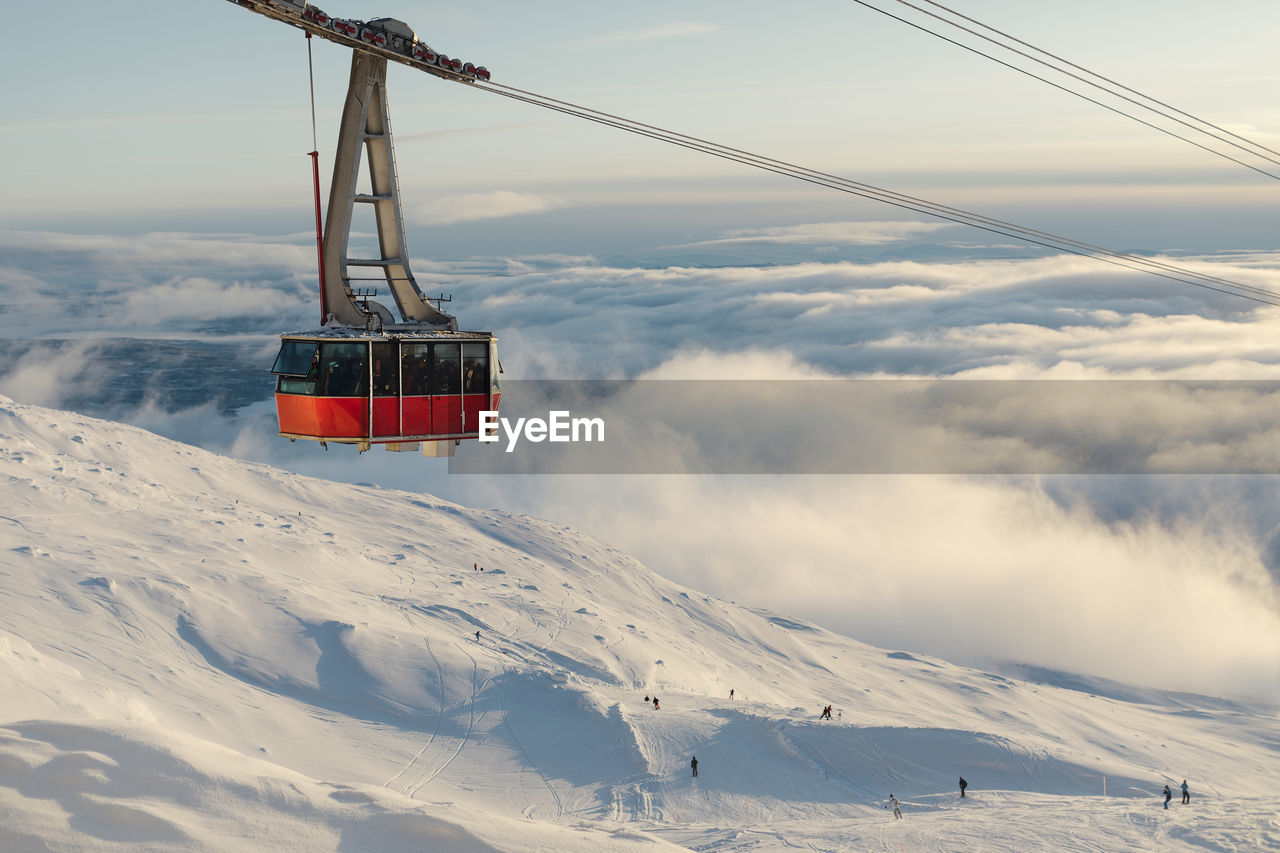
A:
<point x="386" y="37"/>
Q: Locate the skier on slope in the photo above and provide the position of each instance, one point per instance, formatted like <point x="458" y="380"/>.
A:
<point x="963" y="785"/>
<point x="1168" y="795"/>
<point x="896" y="806"/>
<point x="1186" y="793"/>
<point x="693" y="765"/>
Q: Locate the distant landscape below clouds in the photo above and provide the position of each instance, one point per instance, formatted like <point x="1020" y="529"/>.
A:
<point x="176" y="332"/>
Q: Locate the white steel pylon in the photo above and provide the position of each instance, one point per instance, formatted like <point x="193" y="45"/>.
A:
<point x="366" y="127"/>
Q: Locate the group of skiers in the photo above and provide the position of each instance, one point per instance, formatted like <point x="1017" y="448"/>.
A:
<point x="896" y="805"/>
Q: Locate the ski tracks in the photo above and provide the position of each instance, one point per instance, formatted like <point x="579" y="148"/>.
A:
<point x="434" y="757"/>
<point x="529" y="810"/>
<point x="477" y="686"/>
<point x="429" y="763"/>
<point x="439" y="716"/>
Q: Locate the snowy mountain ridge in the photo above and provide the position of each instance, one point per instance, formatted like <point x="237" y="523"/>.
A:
<point x="199" y="653"/>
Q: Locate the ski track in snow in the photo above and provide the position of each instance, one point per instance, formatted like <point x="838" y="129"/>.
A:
<point x="440" y="711"/>
<point x="529" y="810"/>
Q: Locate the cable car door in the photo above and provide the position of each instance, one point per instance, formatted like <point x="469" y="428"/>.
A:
<point x="446" y="400"/>
<point x="384" y="372"/>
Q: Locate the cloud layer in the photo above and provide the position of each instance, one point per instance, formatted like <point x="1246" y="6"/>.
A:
<point x="491" y="205"/>
<point x="1107" y="575"/>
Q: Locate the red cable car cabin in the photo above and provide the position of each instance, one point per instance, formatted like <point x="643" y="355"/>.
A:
<point x="366" y="388"/>
<point x="366" y="376"/>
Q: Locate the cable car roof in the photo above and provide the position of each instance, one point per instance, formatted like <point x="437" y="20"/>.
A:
<point x="388" y="333"/>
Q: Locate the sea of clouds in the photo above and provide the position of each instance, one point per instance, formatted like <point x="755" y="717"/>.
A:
<point x="1161" y="579"/>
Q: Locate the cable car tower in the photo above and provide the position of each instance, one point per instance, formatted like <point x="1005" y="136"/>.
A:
<point x="369" y="376"/>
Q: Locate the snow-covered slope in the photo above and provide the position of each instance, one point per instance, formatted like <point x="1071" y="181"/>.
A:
<point x="200" y="653"/>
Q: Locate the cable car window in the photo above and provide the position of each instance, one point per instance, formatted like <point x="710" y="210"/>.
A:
<point x="293" y="385"/>
<point x="475" y="368"/>
<point x="344" y="370"/>
<point x="386" y="370"/>
<point x="448" y="373"/>
<point x="415" y="367"/>
<point x="296" y="358"/>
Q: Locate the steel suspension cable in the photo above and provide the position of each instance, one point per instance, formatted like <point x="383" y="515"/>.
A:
<point x="1087" y="82"/>
<point x="952" y="214"/>
<point x="1105" y="79"/>
<point x="1081" y="95"/>
<point x="935" y="208"/>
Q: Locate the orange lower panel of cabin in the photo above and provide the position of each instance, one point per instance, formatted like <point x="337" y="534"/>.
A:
<point x="348" y="417"/>
<point x="323" y="417"/>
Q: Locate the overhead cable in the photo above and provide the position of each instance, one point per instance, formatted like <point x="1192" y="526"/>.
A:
<point x="919" y="205"/>
<point x="1081" y="95"/>
<point x="1101" y="77"/>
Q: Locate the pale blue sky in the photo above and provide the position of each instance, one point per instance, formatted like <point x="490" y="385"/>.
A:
<point x="202" y="106"/>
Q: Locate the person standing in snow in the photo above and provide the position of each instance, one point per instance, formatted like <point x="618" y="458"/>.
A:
<point x="656" y="706"/>
<point x="477" y="636"/>
<point x="1186" y="793"/>
<point x="963" y="785"/>
<point x="896" y="806"/>
<point x="693" y="765"/>
<point x="730" y="692"/>
<point x="1168" y="795"/>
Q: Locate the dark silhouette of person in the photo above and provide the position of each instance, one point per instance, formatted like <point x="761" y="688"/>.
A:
<point x="730" y="692"/>
<point x="1168" y="795"/>
<point x="693" y="765"/>
<point x="1186" y="793"/>
<point x="963" y="785"/>
<point x="477" y="636"/>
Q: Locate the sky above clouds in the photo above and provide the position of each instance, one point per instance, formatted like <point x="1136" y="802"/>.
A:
<point x="163" y="194"/>
<point x="832" y="85"/>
